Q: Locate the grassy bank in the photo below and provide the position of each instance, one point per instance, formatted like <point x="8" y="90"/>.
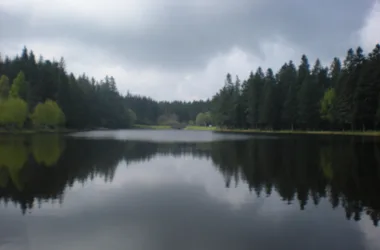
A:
<point x="157" y="127"/>
<point x="35" y="131"/>
<point x="200" y="128"/>
<point x="298" y="132"/>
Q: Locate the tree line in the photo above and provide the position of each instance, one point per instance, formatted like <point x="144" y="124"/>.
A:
<point x="53" y="97"/>
<point x="39" y="92"/>
<point x="151" y="112"/>
<point x="342" y="96"/>
<point x="339" y="97"/>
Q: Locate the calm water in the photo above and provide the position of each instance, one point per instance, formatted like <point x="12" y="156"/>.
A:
<point x="188" y="190"/>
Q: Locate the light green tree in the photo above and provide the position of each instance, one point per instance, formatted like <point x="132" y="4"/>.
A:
<point x="200" y="119"/>
<point x="48" y="114"/>
<point x="327" y="105"/>
<point x="203" y="119"/>
<point x="19" y="87"/>
<point x="132" y="116"/>
<point x="14" y="112"/>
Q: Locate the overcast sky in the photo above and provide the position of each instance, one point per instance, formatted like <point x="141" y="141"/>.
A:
<point x="170" y="49"/>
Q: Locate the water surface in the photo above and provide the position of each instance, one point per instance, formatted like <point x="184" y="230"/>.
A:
<point x="188" y="190"/>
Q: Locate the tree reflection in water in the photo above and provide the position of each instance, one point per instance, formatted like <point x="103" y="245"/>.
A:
<point x="344" y="170"/>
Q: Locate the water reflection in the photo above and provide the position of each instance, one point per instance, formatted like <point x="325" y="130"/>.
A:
<point x="307" y="171"/>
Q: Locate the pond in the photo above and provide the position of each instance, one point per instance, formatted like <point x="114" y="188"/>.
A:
<point x="175" y="189"/>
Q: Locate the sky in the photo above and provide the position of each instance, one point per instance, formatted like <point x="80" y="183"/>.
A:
<point x="182" y="50"/>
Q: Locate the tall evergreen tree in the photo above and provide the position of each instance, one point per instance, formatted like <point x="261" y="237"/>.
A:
<point x="238" y="102"/>
<point x="346" y="87"/>
<point x="290" y="113"/>
<point x="285" y="78"/>
<point x="267" y="103"/>
<point x="255" y="85"/>
<point x="335" y="71"/>
<point x="303" y="76"/>
<point x="303" y="71"/>
<point x="4" y="87"/>
<point x="367" y="91"/>
<point x="309" y="97"/>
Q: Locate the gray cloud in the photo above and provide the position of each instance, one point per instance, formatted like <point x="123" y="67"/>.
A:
<point x="186" y="36"/>
<point x="182" y="38"/>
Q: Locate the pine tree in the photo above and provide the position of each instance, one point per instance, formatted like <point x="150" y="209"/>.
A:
<point x="303" y="71"/>
<point x="223" y="106"/>
<point x="238" y="103"/>
<point x="255" y="86"/>
<point x="4" y="87"/>
<point x="309" y="97"/>
<point x="308" y="109"/>
<point x="346" y="87"/>
<point x="290" y="113"/>
<point x="20" y="87"/>
<point x="267" y="103"/>
<point x="335" y="71"/>
<point x="367" y="91"/>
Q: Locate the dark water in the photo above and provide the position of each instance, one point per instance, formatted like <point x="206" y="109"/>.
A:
<point x="188" y="190"/>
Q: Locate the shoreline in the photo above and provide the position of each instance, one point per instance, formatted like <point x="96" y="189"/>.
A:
<point x="154" y="127"/>
<point x="36" y="131"/>
<point x="299" y="132"/>
<point x="201" y="128"/>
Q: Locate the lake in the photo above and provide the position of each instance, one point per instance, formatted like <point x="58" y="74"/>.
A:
<point x="145" y="189"/>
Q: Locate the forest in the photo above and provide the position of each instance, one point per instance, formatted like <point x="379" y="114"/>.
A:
<point x="344" y="96"/>
<point x="41" y="93"/>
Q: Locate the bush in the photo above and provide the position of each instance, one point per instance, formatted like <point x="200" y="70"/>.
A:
<point x="48" y="114"/>
<point x="13" y="112"/>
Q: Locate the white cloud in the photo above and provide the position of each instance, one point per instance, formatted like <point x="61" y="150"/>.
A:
<point x="370" y="33"/>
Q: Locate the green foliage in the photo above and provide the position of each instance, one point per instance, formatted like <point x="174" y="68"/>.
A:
<point x="203" y="119"/>
<point x="132" y="116"/>
<point x="327" y="108"/>
<point x="19" y="87"/>
<point x="167" y="119"/>
<point x="13" y="112"/>
<point x="4" y="87"/>
<point x="48" y="114"/>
